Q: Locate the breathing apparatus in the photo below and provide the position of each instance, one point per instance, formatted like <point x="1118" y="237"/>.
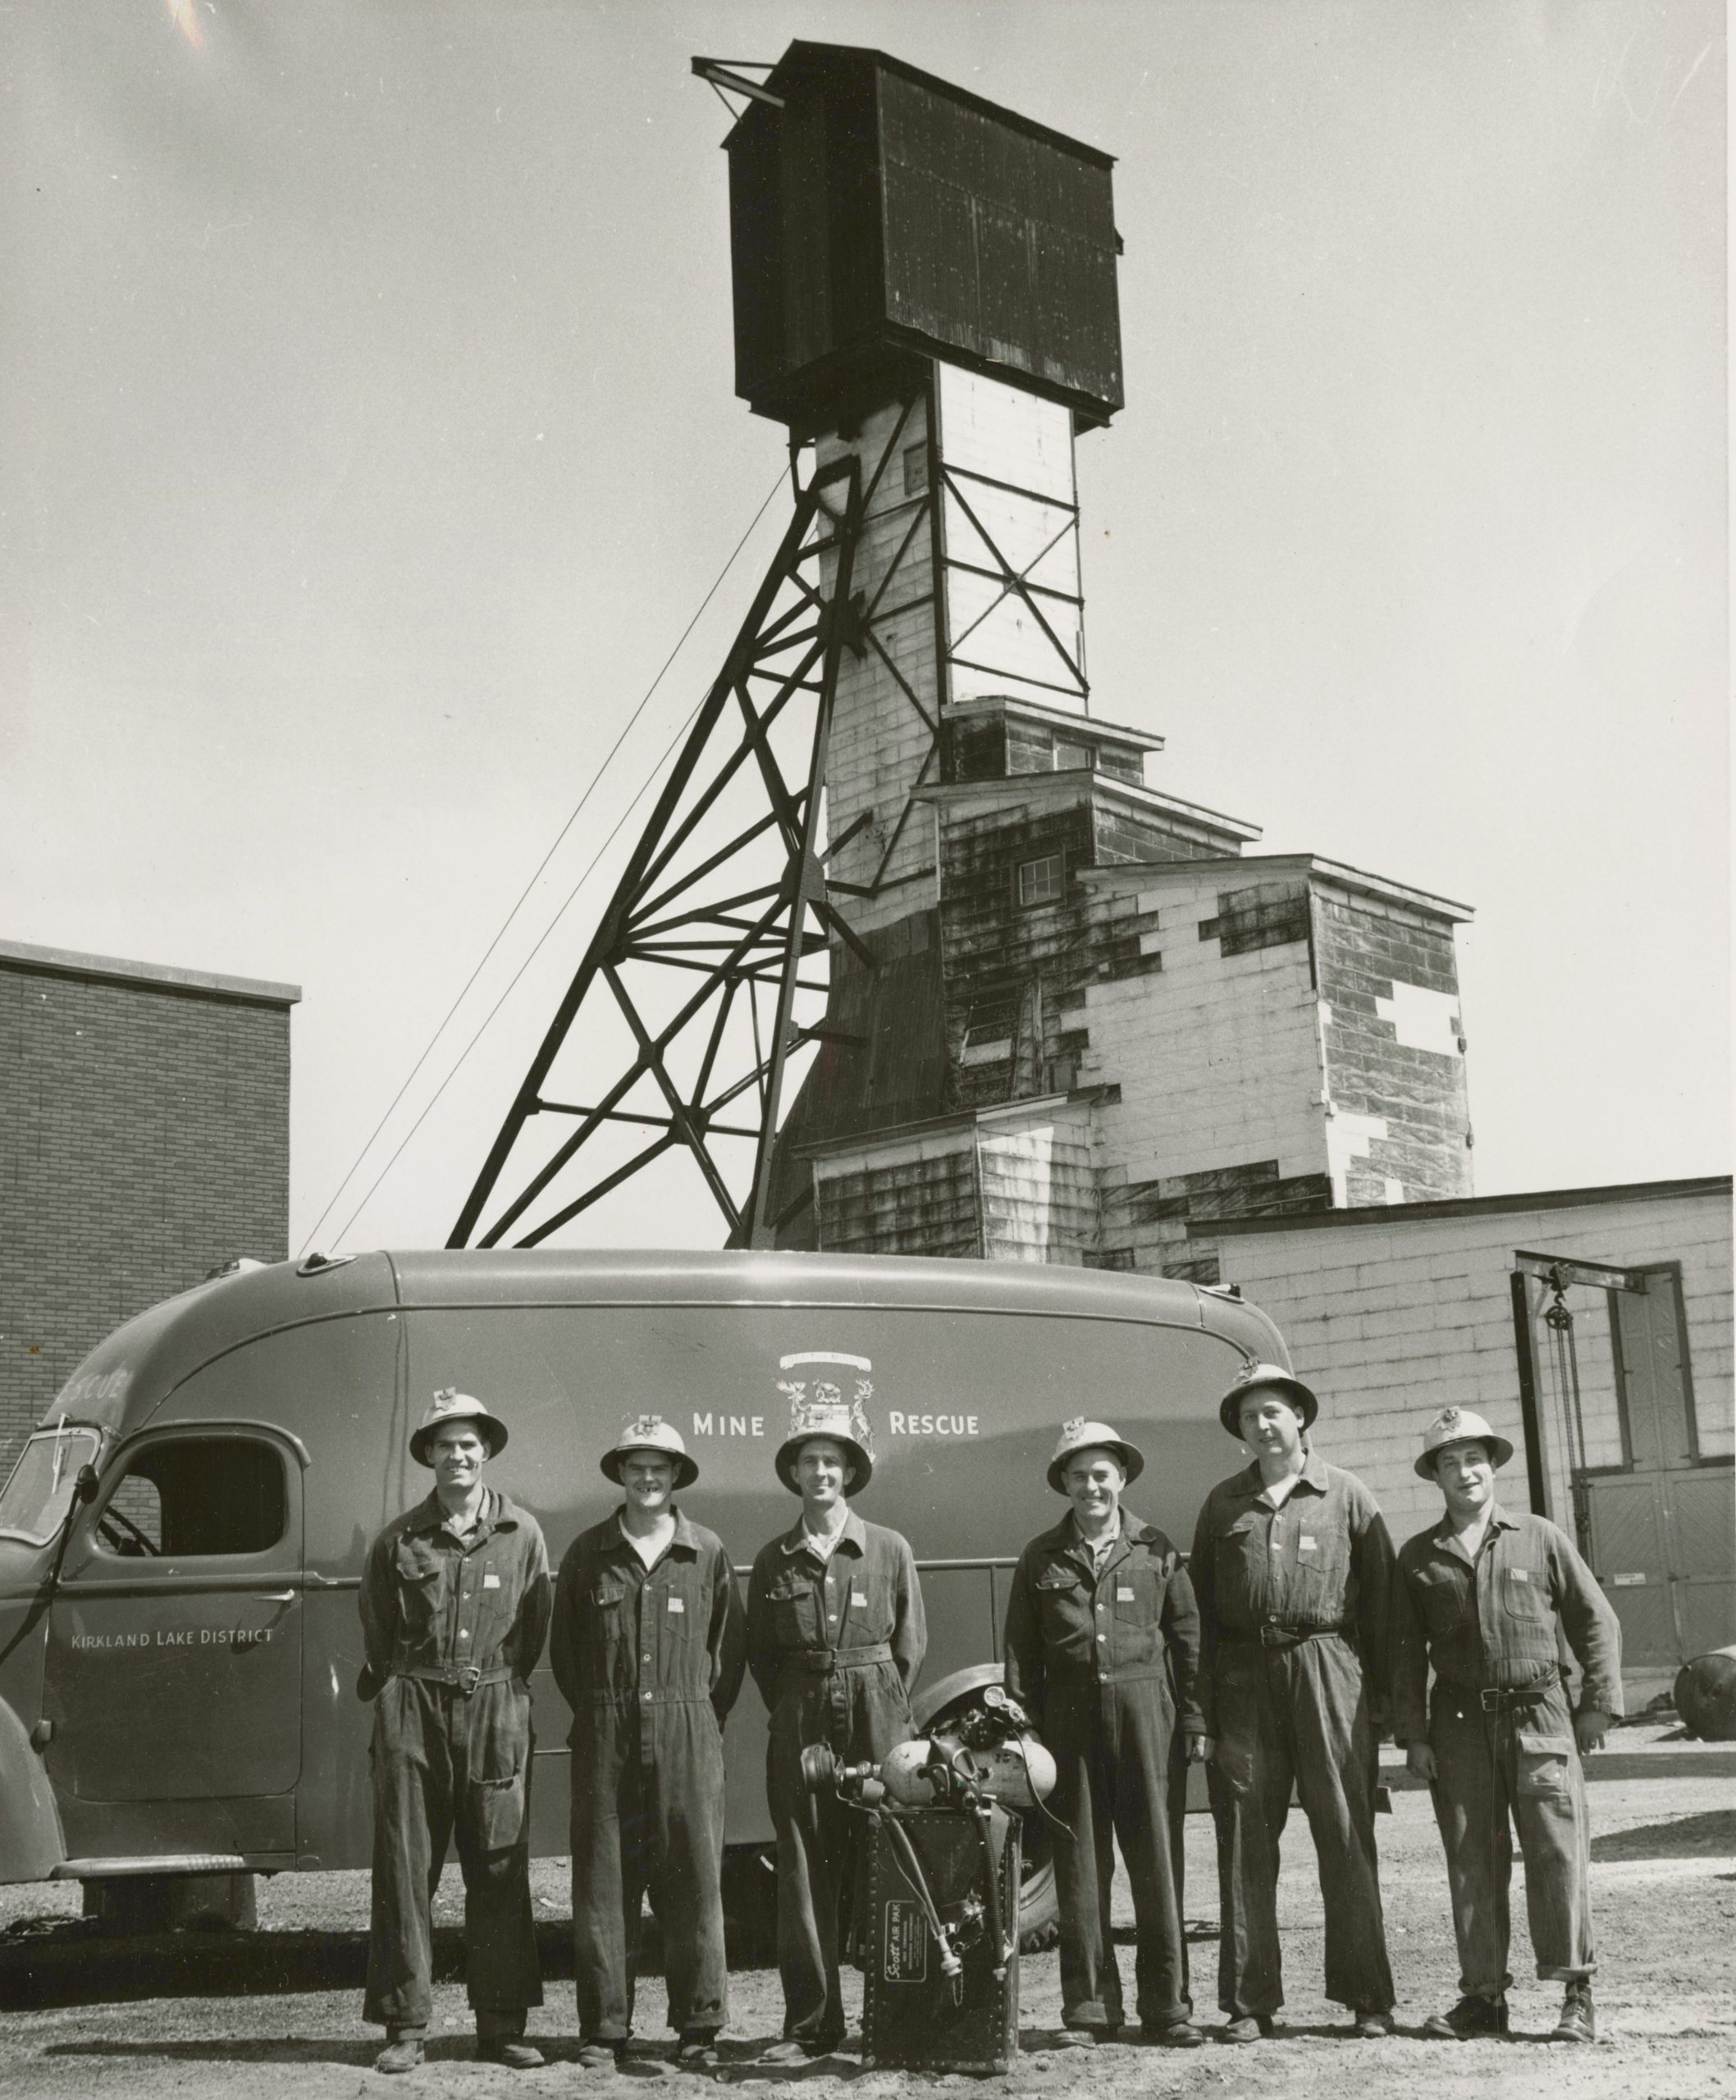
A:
<point x="973" y="1763"/>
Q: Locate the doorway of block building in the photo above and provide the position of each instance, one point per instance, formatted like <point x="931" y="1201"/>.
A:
<point x="1614" y="1448"/>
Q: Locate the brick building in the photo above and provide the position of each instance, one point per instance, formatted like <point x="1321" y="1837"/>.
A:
<point x="144" y="1141"/>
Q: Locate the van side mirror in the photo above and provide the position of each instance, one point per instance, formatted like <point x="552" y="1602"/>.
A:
<point x="84" y="1488"/>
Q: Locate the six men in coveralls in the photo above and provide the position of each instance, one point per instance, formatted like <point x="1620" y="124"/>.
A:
<point x="1267" y="1657"/>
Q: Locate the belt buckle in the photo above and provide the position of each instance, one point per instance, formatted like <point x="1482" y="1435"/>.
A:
<point x="1273" y="1636"/>
<point x="1490" y="1699"/>
<point x="468" y="1678"/>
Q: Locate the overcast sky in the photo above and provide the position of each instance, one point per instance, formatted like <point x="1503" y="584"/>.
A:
<point x="368" y="440"/>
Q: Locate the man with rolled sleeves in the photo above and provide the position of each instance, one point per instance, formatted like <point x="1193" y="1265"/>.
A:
<point x="835" y="1637"/>
<point x="1291" y="1566"/>
<point x="648" y="1647"/>
<point x="1103" y="1650"/>
<point x="1484" y="1598"/>
<point x="454" y="1604"/>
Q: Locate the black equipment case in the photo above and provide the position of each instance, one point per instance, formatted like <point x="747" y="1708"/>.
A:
<point x="914" y="2017"/>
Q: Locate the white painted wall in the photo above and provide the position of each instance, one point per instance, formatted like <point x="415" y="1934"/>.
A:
<point x="1391" y="1318"/>
<point x="1217" y="1057"/>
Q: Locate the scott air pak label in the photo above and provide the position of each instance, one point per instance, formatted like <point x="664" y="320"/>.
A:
<point x="906" y="1957"/>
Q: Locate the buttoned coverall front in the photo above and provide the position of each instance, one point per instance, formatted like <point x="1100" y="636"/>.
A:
<point x="834" y="1643"/>
<point x="1104" y="1659"/>
<point x="1502" y="1734"/>
<point x="650" y="1660"/>
<point x="1293" y="1602"/>
<point x="452" y="1626"/>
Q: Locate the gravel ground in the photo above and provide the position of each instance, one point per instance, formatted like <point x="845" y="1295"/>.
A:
<point x="277" y="2013"/>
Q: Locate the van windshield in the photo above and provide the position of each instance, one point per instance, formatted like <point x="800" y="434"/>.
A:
<point x="35" y="1502"/>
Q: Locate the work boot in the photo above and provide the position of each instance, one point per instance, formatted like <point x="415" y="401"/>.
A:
<point x="601" y="2056"/>
<point x="1247" y="2027"/>
<point x="1473" y="2015"/>
<point x="401" y="2052"/>
<point x="1174" y="2034"/>
<point x="512" y="2050"/>
<point x="1371" y="2024"/>
<point x="1578" y="2023"/>
<point x="697" y="2049"/>
<point x="792" y="2051"/>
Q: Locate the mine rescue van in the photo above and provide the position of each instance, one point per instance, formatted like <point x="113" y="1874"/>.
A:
<point x="181" y="1542"/>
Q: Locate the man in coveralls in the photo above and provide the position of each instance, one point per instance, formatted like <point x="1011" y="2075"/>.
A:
<point x="835" y="1637"/>
<point x="648" y="1647"/>
<point x="1485" y="1597"/>
<point x="1101" y="1616"/>
<point x="454" y="1605"/>
<point x="1292" y="1566"/>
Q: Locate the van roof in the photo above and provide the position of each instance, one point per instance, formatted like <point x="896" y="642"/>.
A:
<point x="130" y="1372"/>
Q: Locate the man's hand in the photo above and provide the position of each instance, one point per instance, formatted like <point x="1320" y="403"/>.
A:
<point x="1591" y="1725"/>
<point x="1199" y="1750"/>
<point x="1420" y="1757"/>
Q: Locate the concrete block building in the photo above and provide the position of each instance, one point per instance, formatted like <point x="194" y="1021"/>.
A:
<point x="144" y="1141"/>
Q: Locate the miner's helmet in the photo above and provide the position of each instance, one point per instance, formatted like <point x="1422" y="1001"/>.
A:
<point x="1082" y="1434"/>
<point x="818" y="1411"/>
<point x="450" y="1405"/>
<point x="651" y="1432"/>
<point x="1272" y="1376"/>
<point x="1459" y="1425"/>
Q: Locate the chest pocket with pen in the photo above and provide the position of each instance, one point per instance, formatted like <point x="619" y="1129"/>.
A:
<point x="795" y="1610"/>
<point x="421" y="1591"/>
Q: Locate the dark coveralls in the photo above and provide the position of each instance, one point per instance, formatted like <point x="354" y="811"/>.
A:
<point x="1502" y="1735"/>
<point x="1102" y="1661"/>
<point x="1293" y="1615"/>
<point x="452" y="1628"/>
<point x="650" y="1660"/>
<point x="834" y="1647"/>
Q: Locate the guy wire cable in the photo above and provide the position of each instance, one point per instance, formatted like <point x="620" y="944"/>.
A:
<point x="487" y="1019"/>
<point x="373" y="1136"/>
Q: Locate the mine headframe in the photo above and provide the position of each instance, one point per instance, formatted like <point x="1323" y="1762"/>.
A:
<point x="885" y="225"/>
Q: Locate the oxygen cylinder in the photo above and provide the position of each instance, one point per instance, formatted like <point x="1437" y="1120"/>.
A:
<point x="1018" y="1773"/>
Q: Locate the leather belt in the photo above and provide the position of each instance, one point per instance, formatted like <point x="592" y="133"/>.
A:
<point x="1284" y="1636"/>
<point x="466" y="1677"/>
<point x="1495" y="1698"/>
<point x="821" y="1662"/>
